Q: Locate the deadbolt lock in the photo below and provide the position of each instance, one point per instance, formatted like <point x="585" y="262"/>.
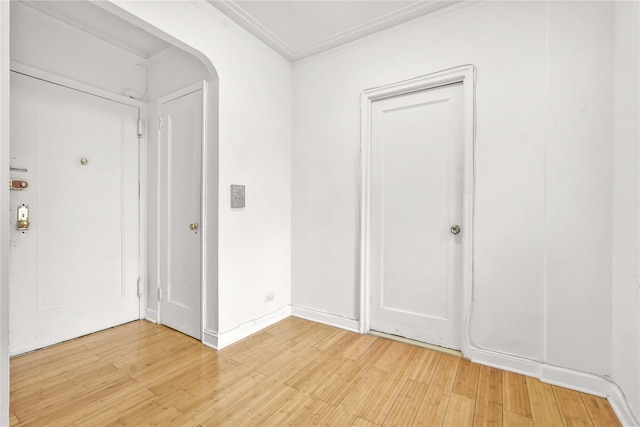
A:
<point x="23" y="217"/>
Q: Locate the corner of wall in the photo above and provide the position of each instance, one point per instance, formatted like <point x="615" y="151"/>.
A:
<point x="4" y="213"/>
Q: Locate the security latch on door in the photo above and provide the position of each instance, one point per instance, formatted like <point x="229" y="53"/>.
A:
<point x="23" y="217"/>
<point x="18" y="184"/>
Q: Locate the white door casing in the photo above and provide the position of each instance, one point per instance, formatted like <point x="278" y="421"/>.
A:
<point x="371" y="222"/>
<point x="180" y="209"/>
<point x="75" y="270"/>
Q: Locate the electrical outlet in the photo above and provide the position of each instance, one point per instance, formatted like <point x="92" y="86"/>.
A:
<point x="269" y="296"/>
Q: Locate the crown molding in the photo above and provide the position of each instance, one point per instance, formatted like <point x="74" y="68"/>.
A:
<point x="237" y="13"/>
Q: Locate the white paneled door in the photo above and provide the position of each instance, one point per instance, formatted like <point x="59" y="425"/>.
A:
<point x="75" y="233"/>
<point x="416" y="215"/>
<point x="181" y="132"/>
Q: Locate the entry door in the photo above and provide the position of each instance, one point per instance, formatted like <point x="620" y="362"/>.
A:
<point x="74" y="269"/>
<point x="180" y="212"/>
<point x="416" y="209"/>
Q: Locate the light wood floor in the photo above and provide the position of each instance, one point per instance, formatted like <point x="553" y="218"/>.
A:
<point x="295" y="372"/>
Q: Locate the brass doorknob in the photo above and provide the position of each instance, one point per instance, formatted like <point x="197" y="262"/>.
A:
<point x="455" y="229"/>
<point x="194" y="226"/>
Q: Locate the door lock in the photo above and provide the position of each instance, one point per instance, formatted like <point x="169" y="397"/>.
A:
<point x="18" y="184"/>
<point x="23" y="217"/>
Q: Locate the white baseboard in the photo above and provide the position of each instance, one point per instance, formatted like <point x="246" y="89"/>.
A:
<point x="507" y="362"/>
<point x="620" y="405"/>
<point x="575" y="380"/>
<point x="151" y="315"/>
<point x="568" y="378"/>
<point x="223" y="339"/>
<point x="210" y="339"/>
<point x="326" y="318"/>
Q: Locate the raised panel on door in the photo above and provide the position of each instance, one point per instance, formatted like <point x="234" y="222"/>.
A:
<point x="416" y="196"/>
<point x="75" y="270"/>
<point x="181" y="150"/>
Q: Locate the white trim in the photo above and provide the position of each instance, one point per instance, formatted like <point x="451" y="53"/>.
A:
<point x="575" y="380"/>
<point x="401" y="15"/>
<point x="151" y="315"/>
<point x="325" y="318"/>
<point x="242" y="331"/>
<point x="568" y="378"/>
<point x="466" y="75"/>
<point x="203" y="214"/>
<point x="507" y="362"/>
<point x="180" y="93"/>
<point x="621" y="407"/>
<point x="5" y="136"/>
<point x="143" y="115"/>
<point x="427" y="20"/>
<point x="76" y="85"/>
<point x="210" y="338"/>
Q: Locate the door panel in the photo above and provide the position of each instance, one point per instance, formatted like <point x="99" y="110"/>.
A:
<point x="75" y="270"/>
<point x="181" y="148"/>
<point x="416" y="197"/>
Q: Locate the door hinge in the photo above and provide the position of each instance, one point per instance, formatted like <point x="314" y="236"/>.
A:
<point x="160" y="121"/>
<point x="159" y="294"/>
<point x="139" y="286"/>
<point x="139" y="128"/>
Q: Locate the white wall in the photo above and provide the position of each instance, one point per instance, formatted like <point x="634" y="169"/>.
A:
<point x="543" y="231"/>
<point x="4" y="213"/>
<point x="579" y="168"/>
<point x="254" y="149"/>
<point x="626" y="204"/>
<point x="48" y="44"/>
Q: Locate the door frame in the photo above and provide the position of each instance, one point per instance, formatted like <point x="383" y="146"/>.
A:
<point x="52" y="78"/>
<point x="466" y="75"/>
<point x="201" y="85"/>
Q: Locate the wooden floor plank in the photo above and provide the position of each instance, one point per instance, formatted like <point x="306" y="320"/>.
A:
<point x="405" y="408"/>
<point x="434" y="405"/>
<point x="466" y="383"/>
<point x="460" y="411"/>
<point x="295" y="372"/>
<point x="488" y="410"/>
<point x="572" y="409"/>
<point x="544" y="409"/>
<point x="599" y="410"/>
<point x="314" y="414"/>
<point x="515" y="394"/>
<point x="510" y="419"/>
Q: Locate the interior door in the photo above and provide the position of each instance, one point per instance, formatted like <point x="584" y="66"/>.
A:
<point x="416" y="215"/>
<point x="74" y="265"/>
<point x="180" y="212"/>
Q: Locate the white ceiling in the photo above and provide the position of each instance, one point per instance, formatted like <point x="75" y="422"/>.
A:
<point x="94" y="20"/>
<point x="294" y="28"/>
<point x="301" y="28"/>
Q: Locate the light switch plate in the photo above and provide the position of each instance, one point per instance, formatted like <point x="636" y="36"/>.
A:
<point x="237" y="196"/>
